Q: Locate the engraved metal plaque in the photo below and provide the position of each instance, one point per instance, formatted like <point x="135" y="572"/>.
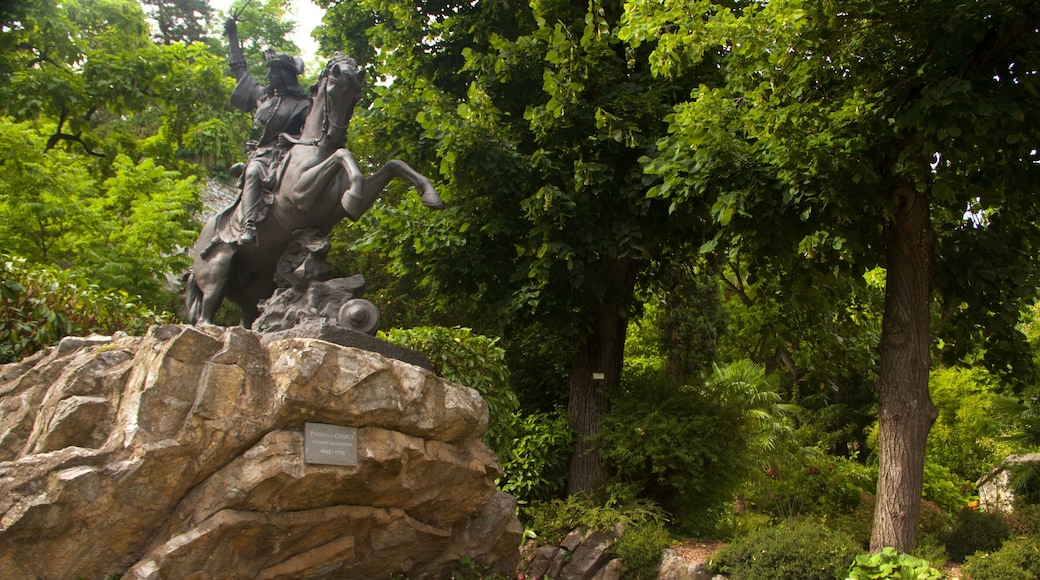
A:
<point x="329" y="444"/>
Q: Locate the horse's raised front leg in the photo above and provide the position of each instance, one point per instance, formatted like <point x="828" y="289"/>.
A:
<point x="311" y="184"/>
<point x="377" y="182"/>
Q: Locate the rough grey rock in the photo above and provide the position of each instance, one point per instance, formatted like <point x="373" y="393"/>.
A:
<point x="586" y="555"/>
<point x="179" y="455"/>
<point x="590" y="556"/>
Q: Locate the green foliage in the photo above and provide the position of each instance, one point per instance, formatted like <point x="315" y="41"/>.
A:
<point x="946" y="489"/>
<point x="975" y="531"/>
<point x="825" y="121"/>
<point x="799" y="550"/>
<point x="535" y="464"/>
<point x="745" y="384"/>
<point x="535" y="117"/>
<point x="819" y="329"/>
<point x="470" y="360"/>
<point x="554" y="519"/>
<point x="98" y="86"/>
<point x="126" y="231"/>
<point x="179" y="20"/>
<point x="38" y="306"/>
<point x="682" y="318"/>
<point x="141" y="222"/>
<point x="891" y="563"/>
<point x="640" y="549"/>
<point x="1017" y="559"/>
<point x="805" y="481"/>
<point x="666" y="439"/>
<point x="1024" y="518"/>
<point x="642" y="522"/>
<point x="968" y="436"/>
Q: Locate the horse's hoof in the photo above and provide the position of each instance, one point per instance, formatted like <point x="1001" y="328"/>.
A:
<point x="431" y="200"/>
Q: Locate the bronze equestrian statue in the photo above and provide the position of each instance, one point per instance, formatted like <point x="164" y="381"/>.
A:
<point x="320" y="183"/>
<point x="279" y="108"/>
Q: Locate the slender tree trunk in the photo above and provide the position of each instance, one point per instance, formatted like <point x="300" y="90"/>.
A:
<point x="905" y="409"/>
<point x="597" y="367"/>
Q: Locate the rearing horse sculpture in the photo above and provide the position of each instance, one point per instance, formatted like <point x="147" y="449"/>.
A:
<point x="320" y="184"/>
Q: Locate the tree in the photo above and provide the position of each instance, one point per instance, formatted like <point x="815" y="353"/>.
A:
<point x="103" y="88"/>
<point x="536" y="117"/>
<point x="861" y="133"/>
<point x="94" y="115"/>
<point x="263" y="25"/>
<point x="184" y="21"/>
<point x="125" y="231"/>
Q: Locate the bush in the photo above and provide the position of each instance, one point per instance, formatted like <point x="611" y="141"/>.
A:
<point x="470" y="360"/>
<point x="39" y="306"/>
<point x="800" y="550"/>
<point x="1018" y="559"/>
<point x="967" y="435"/>
<point x="1024" y="519"/>
<point x="640" y="549"/>
<point x="806" y="481"/>
<point x="644" y="535"/>
<point x="856" y="524"/>
<point x="945" y="488"/>
<point x="891" y="563"/>
<point x="975" y="531"/>
<point x="534" y="466"/>
<point x="683" y="447"/>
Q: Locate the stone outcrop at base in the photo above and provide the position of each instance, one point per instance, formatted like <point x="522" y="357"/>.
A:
<point x="180" y="455"/>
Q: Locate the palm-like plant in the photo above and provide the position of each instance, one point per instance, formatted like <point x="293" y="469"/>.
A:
<point x="745" y="383"/>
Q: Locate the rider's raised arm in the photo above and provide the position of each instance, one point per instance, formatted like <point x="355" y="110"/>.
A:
<point x="236" y="60"/>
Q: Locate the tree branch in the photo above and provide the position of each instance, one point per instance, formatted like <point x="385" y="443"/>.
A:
<point x="982" y="60"/>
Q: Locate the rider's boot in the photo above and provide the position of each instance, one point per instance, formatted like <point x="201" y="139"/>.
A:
<point x="248" y="237"/>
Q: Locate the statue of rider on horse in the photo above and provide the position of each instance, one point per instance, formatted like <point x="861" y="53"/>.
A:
<point x="299" y="180"/>
<point x="278" y="109"/>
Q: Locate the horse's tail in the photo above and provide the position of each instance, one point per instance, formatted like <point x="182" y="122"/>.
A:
<point x="193" y="299"/>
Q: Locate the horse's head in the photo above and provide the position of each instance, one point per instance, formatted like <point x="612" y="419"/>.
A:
<point x="342" y="77"/>
<point x="335" y="95"/>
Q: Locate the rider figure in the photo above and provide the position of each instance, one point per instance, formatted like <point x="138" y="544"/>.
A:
<point x="279" y="108"/>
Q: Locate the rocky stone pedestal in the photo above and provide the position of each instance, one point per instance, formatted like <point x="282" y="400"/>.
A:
<point x="180" y="455"/>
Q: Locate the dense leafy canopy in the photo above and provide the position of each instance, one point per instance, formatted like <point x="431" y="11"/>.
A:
<point x="824" y="105"/>
<point x="859" y="134"/>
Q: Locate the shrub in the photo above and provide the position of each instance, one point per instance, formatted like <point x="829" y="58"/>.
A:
<point x="685" y="448"/>
<point x="857" y="523"/>
<point x="933" y="525"/>
<point x="644" y="535"/>
<point x="470" y="360"/>
<point x="535" y="464"/>
<point x="891" y="563"/>
<point x="806" y="481"/>
<point x="39" y="306"/>
<point x="945" y="488"/>
<point x="967" y="434"/>
<point x="1024" y="520"/>
<point x="799" y="550"/>
<point x="640" y="549"/>
<point x="975" y="531"/>
<point x="1018" y="559"/>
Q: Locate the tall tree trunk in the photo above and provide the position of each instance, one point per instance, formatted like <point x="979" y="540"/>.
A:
<point x="596" y="368"/>
<point x="905" y="409"/>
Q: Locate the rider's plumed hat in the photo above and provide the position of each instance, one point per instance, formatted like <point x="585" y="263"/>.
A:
<point x="293" y="64"/>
